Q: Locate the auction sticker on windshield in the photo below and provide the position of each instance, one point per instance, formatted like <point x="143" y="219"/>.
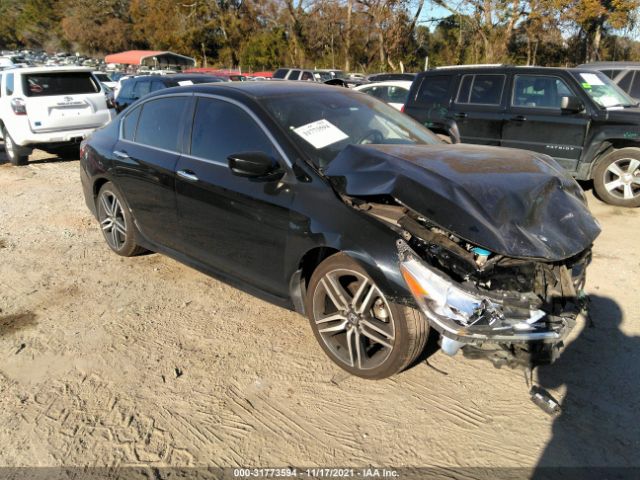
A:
<point x="591" y="79"/>
<point x="321" y="133"/>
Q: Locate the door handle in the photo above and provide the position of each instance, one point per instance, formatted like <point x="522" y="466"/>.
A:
<point x="121" y="155"/>
<point x="188" y="175"/>
<point x="519" y="118"/>
<point x="460" y="115"/>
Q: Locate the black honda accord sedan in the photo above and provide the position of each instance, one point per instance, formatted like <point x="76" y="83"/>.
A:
<point x="329" y="202"/>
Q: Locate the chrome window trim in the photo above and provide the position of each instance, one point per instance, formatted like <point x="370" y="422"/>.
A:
<point x="232" y="101"/>
<point x="140" y="105"/>
<point x="255" y="118"/>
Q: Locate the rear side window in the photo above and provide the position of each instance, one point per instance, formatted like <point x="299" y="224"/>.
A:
<point x="159" y="124"/>
<point x="141" y="88"/>
<point x="9" y="87"/>
<point x="294" y="75"/>
<point x="481" y="89"/>
<point x="59" y="83"/>
<point x="215" y="132"/>
<point x="157" y="85"/>
<point x="280" y="73"/>
<point x="126" y="90"/>
<point x="129" y="124"/>
<point x="0" y="85"/>
<point x="434" y="89"/>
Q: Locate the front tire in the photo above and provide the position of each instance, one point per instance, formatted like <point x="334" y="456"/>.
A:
<point x="616" y="178"/>
<point x="116" y="221"/>
<point x="357" y="326"/>
<point x="14" y="152"/>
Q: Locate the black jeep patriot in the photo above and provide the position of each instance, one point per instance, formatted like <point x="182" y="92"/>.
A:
<point x="577" y="116"/>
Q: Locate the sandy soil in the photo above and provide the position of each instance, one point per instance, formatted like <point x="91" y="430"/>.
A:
<point x="106" y="361"/>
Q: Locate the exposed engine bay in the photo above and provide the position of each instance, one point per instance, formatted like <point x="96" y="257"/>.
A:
<point x="519" y="309"/>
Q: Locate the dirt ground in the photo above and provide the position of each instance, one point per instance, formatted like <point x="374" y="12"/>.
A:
<point x="106" y="361"/>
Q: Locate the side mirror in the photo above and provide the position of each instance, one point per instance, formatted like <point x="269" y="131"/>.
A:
<point x="252" y="164"/>
<point x="571" y="104"/>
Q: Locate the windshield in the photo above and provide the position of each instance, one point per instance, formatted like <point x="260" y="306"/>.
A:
<point x="603" y="91"/>
<point x="322" y="124"/>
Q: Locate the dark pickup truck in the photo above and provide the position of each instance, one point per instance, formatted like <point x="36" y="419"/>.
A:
<point x="577" y="116"/>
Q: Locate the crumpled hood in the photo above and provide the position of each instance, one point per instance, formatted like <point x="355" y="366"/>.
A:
<point x="512" y="202"/>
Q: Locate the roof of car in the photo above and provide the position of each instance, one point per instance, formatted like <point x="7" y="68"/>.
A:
<point x="262" y="88"/>
<point x="502" y="68"/>
<point x="596" y="65"/>
<point x="177" y="77"/>
<point x="50" y="69"/>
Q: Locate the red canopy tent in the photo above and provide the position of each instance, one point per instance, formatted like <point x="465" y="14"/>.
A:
<point x="151" y="58"/>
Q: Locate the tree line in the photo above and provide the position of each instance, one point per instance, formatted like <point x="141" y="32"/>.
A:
<point x="362" y="35"/>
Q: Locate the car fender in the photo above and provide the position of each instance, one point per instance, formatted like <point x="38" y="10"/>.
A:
<point x="601" y="143"/>
<point x="342" y="228"/>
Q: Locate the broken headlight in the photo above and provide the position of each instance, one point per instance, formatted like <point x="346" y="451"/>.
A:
<point x="468" y="316"/>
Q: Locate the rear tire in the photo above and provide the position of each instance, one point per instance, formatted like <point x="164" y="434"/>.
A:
<point x="616" y="178"/>
<point x="15" y="153"/>
<point x="356" y="326"/>
<point x="116" y="222"/>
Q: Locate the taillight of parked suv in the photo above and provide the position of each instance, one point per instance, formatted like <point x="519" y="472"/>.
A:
<point x="19" y="106"/>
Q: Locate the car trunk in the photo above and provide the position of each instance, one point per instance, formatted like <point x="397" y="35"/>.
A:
<point x="64" y="101"/>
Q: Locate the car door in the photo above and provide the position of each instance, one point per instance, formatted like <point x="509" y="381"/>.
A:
<point x="536" y="122"/>
<point x="478" y="109"/>
<point x="430" y="102"/>
<point x="144" y="163"/>
<point x="234" y="224"/>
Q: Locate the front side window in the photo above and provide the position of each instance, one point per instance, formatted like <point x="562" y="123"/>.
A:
<point x="0" y="84"/>
<point x="59" y="83"/>
<point x="9" y="87"/>
<point x="215" y="132"/>
<point x="481" y="89"/>
<point x="307" y="76"/>
<point x="434" y="90"/>
<point x="160" y="121"/>
<point x="539" y="91"/>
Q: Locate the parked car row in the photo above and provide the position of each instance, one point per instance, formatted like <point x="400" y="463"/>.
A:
<point x="577" y="116"/>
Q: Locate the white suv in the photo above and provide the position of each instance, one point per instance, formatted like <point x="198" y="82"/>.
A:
<point x="52" y="108"/>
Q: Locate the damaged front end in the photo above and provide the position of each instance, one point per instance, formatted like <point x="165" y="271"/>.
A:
<point x="512" y="311"/>
<point x="494" y="243"/>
